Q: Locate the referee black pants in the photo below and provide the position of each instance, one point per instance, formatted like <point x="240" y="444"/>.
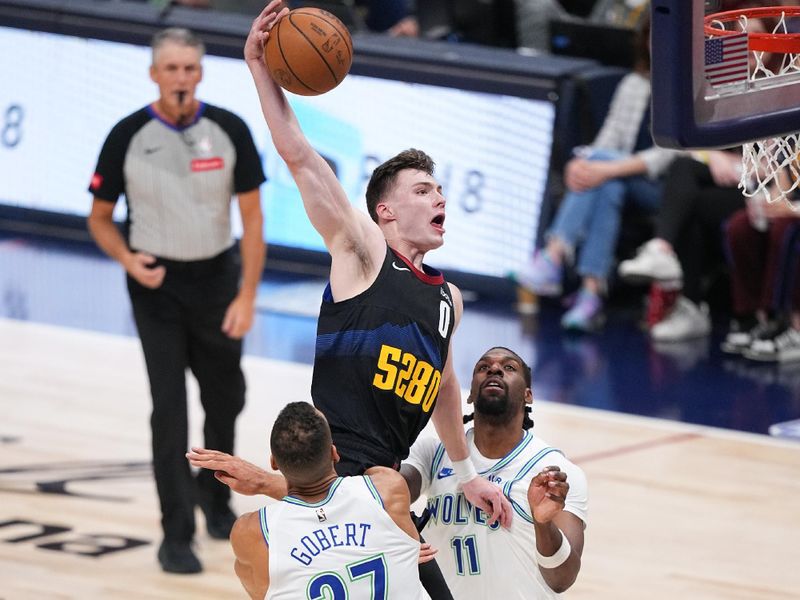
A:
<point x="179" y="326"/>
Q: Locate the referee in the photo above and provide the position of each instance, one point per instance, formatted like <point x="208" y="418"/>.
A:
<point x="178" y="162"/>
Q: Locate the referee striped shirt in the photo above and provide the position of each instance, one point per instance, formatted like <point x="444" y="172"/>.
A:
<point x="178" y="181"/>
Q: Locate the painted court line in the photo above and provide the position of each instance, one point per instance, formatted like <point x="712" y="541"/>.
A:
<point x="632" y="448"/>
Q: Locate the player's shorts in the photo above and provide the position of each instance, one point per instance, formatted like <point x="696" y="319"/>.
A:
<point x="357" y="456"/>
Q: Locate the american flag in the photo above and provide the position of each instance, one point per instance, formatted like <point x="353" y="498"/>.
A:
<point x="726" y="59"/>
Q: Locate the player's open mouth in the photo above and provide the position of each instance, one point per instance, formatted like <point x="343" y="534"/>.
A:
<point x="438" y="222"/>
<point x="493" y="384"/>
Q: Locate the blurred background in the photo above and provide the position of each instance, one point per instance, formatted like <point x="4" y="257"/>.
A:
<point x="499" y="92"/>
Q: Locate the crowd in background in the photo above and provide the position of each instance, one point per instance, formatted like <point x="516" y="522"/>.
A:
<point x="519" y="23"/>
<point x="697" y="228"/>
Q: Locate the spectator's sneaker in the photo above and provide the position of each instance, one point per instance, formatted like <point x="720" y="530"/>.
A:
<point x="652" y="261"/>
<point x="684" y="322"/>
<point x="660" y="302"/>
<point x="586" y="314"/>
<point x="740" y="337"/>
<point x="782" y="348"/>
<point x="541" y="276"/>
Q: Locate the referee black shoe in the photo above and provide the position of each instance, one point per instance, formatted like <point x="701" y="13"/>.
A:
<point x="219" y="520"/>
<point x="177" y="557"/>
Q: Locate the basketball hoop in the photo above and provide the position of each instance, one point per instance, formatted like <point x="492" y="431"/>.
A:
<point x="770" y="166"/>
<point x="778" y="42"/>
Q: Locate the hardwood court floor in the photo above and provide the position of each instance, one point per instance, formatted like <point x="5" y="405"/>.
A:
<point x="676" y="510"/>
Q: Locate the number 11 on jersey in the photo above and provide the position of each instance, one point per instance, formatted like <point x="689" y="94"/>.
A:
<point x="466" y="553"/>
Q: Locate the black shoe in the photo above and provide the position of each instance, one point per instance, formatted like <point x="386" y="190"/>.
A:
<point x="177" y="557"/>
<point x="743" y="333"/>
<point x="219" y="522"/>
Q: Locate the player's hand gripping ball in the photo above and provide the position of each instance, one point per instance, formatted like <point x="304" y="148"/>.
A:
<point x="309" y="51"/>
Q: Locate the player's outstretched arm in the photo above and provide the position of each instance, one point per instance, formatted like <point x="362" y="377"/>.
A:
<point x="559" y="533"/>
<point x="252" y="555"/>
<point x="344" y="229"/>
<point x="448" y="420"/>
<point x="241" y="476"/>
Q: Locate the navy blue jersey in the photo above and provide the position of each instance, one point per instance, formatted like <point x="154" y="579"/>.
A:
<point x="379" y="361"/>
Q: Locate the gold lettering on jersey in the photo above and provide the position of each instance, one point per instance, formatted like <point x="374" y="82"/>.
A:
<point x="415" y="381"/>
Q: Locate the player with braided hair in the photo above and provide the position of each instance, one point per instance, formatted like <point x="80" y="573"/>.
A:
<point x="527" y="421"/>
<point x="539" y="555"/>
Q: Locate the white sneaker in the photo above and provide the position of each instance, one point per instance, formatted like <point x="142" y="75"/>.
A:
<point x="736" y="342"/>
<point x="783" y="348"/>
<point x="684" y="322"/>
<point x="652" y="261"/>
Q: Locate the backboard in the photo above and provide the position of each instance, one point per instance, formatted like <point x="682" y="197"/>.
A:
<point x="694" y="107"/>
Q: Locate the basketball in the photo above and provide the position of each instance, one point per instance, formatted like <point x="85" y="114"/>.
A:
<point x="309" y="51"/>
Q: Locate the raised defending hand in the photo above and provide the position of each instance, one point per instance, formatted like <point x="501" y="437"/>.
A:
<point x="241" y="476"/>
<point x="259" y="32"/>
<point x="547" y="493"/>
<point x="490" y="499"/>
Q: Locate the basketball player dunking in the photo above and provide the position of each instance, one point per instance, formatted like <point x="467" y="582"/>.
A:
<point x="382" y="366"/>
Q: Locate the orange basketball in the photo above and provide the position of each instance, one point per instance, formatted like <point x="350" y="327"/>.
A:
<point x="309" y="51"/>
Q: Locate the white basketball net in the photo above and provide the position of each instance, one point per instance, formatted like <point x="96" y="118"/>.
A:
<point x="770" y="166"/>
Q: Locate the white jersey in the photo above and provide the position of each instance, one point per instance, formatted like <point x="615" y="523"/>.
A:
<point x="345" y="546"/>
<point x="479" y="561"/>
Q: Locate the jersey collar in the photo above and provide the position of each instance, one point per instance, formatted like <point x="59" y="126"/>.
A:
<point x="427" y="275"/>
<point x="153" y="112"/>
